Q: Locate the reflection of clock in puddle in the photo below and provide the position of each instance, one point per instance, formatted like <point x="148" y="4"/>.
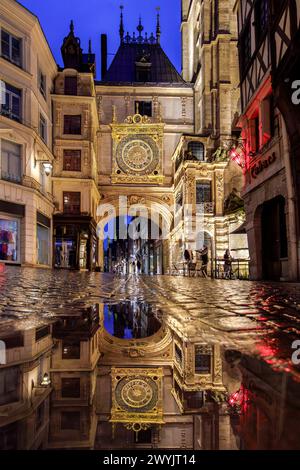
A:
<point x="139" y="393"/>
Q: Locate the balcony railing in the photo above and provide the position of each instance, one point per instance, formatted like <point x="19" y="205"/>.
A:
<point x="7" y="112"/>
<point x="12" y="177"/>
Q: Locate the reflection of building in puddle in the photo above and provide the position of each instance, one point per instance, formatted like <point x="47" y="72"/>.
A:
<point x="162" y="391"/>
<point x="164" y="386"/>
<point x="265" y="407"/>
<point x="74" y="372"/>
<point x="25" y="388"/>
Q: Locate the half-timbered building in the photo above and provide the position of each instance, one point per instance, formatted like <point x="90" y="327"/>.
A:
<point x="263" y="149"/>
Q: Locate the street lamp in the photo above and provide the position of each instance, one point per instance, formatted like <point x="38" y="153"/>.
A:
<point x="47" y="167"/>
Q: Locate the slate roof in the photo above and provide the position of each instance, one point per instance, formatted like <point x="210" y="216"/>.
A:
<point x="123" y="66"/>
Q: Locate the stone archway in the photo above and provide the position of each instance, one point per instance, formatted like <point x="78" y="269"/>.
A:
<point x="153" y="210"/>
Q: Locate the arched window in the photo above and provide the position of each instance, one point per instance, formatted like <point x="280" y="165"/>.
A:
<point x="197" y="150"/>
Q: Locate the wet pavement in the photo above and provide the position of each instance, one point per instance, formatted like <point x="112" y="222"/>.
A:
<point x="258" y="318"/>
<point x="144" y="321"/>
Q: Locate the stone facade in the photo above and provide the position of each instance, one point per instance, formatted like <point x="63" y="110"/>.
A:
<point x="91" y="118"/>
<point x="26" y="150"/>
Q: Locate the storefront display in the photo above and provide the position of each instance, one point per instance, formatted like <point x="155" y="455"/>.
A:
<point x="9" y="239"/>
<point x="65" y="253"/>
<point x="75" y="242"/>
<point x="43" y="244"/>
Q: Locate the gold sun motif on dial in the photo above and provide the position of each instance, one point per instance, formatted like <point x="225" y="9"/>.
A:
<point x="138" y="394"/>
<point x="137" y="155"/>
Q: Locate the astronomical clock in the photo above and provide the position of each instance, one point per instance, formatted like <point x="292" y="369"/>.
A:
<point x="137" y="151"/>
<point x="137" y="397"/>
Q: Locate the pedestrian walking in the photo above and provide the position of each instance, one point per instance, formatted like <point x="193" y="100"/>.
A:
<point x="204" y="259"/>
<point x="227" y="264"/>
<point x="187" y="259"/>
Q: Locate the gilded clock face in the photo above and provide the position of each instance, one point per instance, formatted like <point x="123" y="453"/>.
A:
<point x="137" y="155"/>
<point x="137" y="394"/>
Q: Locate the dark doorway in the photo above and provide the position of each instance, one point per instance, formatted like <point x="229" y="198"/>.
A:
<point x="274" y="238"/>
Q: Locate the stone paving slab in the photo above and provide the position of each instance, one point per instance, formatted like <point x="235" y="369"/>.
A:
<point x="238" y="314"/>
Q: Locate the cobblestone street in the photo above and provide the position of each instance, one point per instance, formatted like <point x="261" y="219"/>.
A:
<point x="260" y="319"/>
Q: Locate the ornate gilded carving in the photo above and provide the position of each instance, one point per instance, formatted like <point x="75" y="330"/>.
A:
<point x="220" y="185"/>
<point x="134" y="199"/>
<point x="137" y="397"/>
<point x="137" y="151"/>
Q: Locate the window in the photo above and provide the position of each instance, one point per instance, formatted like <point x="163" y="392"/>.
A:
<point x="9" y="385"/>
<point x="42" y="332"/>
<point x="11" y="48"/>
<point x="178" y="355"/>
<point x="42" y="84"/>
<point x="39" y="417"/>
<point x="72" y="124"/>
<point x="203" y="193"/>
<point x="70" y="388"/>
<point x="70" y="420"/>
<point x="71" y="202"/>
<point x="144" y="108"/>
<point x="9" y="240"/>
<point x="71" y="350"/>
<point x="143" y="436"/>
<point x="71" y="86"/>
<point x="179" y="199"/>
<point x="143" y="73"/>
<point x="10" y="161"/>
<point x="72" y="160"/>
<point x="203" y="355"/>
<point x="11" y="105"/>
<point x="193" y="400"/>
<point x="9" y="437"/>
<point x="261" y="18"/>
<point x="197" y="150"/>
<point x="15" y="341"/>
<point x="43" y="245"/>
<point x="257" y="134"/>
<point x="245" y="47"/>
<point x="43" y="128"/>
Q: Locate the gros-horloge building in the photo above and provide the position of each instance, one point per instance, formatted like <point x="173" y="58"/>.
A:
<point x="144" y="133"/>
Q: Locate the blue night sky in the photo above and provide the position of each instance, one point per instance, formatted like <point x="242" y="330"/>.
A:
<point x="93" y="17"/>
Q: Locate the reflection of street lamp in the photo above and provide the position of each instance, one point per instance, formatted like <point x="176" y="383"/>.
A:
<point x="46" y="380"/>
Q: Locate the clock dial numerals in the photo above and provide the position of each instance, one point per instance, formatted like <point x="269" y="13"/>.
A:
<point x="137" y="155"/>
<point x="139" y="394"/>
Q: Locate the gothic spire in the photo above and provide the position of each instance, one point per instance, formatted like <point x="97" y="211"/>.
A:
<point x="72" y="27"/>
<point x="158" y="30"/>
<point x="140" y="29"/>
<point x="121" y="30"/>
